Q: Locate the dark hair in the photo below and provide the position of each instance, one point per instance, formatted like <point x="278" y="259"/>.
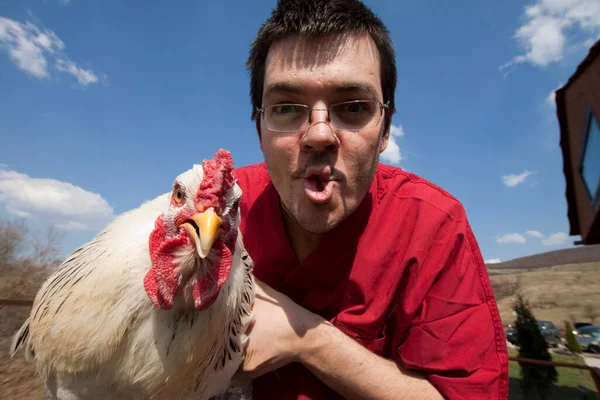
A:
<point x="317" y="18"/>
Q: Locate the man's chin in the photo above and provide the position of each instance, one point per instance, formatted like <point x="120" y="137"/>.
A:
<point x="319" y="220"/>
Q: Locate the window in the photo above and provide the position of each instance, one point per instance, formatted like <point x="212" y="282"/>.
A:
<point x="590" y="162"/>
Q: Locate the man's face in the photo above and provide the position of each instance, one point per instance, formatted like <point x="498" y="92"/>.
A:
<point x="322" y="173"/>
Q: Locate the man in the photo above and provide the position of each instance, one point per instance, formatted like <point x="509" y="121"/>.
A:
<point x="371" y="283"/>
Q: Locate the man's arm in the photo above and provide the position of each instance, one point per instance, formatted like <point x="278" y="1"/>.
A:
<point x="357" y="373"/>
<point x="284" y="332"/>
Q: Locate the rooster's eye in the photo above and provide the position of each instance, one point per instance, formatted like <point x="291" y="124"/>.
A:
<point x="178" y="195"/>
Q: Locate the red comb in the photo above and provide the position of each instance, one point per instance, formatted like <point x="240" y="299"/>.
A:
<point x="219" y="177"/>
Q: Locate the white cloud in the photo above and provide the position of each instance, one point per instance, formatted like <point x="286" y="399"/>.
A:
<point x="514" y="180"/>
<point x="589" y="43"/>
<point x="73" y="226"/>
<point x="556" y="239"/>
<point x="551" y="98"/>
<point x="54" y="202"/>
<point x="511" y="238"/>
<point x="3" y="166"/>
<point x="397" y="131"/>
<point x="21" y="214"/>
<point x="84" y="76"/>
<point x="31" y="49"/>
<point x="535" y="234"/>
<point x="544" y="36"/>
<point x="392" y="152"/>
<point x="493" y="261"/>
<point x="26" y="45"/>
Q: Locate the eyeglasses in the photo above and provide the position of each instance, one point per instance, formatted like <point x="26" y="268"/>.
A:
<point x="347" y="116"/>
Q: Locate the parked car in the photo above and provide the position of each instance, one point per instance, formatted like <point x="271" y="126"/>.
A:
<point x="547" y="329"/>
<point x="586" y="335"/>
<point x="577" y="325"/>
<point x="511" y="335"/>
<point x="594" y="345"/>
<point x="550" y="333"/>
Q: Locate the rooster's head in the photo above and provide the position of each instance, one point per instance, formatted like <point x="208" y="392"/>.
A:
<point x="192" y="244"/>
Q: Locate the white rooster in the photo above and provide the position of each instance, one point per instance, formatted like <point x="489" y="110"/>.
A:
<point x="156" y="305"/>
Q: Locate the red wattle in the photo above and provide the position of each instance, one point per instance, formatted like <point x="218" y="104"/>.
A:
<point x="208" y="285"/>
<point x="162" y="282"/>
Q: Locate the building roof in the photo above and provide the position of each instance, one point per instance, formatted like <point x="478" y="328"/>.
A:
<point x="564" y="134"/>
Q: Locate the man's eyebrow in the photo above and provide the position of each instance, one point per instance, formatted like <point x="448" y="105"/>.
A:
<point x="356" y="87"/>
<point x="344" y="87"/>
<point x="283" y="88"/>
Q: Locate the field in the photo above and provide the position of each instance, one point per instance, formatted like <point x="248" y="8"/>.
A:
<point x="17" y="377"/>
<point x="559" y="293"/>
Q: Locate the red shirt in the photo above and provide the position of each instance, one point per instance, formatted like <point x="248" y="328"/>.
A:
<point x="403" y="275"/>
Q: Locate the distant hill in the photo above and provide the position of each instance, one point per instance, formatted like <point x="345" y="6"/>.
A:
<point x="558" y="293"/>
<point x="576" y="255"/>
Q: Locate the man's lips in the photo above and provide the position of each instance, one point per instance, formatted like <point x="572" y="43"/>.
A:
<point x="322" y="173"/>
<point x="318" y="184"/>
<point x="318" y="191"/>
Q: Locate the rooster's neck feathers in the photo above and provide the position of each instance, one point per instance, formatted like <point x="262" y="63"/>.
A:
<point x="94" y="330"/>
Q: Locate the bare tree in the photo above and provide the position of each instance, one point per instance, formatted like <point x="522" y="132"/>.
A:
<point x="46" y="251"/>
<point x="26" y="258"/>
<point x="13" y="236"/>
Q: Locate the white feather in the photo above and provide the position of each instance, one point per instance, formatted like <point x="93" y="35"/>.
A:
<point x="94" y="333"/>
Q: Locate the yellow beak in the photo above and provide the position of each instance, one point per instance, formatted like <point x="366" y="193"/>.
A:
<point x="208" y="223"/>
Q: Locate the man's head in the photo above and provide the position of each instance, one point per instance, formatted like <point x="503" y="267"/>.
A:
<point x="312" y="55"/>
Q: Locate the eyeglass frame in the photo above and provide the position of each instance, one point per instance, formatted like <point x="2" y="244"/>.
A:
<point x="382" y="107"/>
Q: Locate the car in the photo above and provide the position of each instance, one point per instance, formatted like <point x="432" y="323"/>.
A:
<point x="587" y="335"/>
<point x="511" y="335"/>
<point x="547" y="329"/>
<point x="594" y="345"/>
<point x="577" y="325"/>
<point x="550" y="333"/>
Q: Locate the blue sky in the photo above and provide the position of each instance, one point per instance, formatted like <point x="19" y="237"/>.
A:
<point x="102" y="104"/>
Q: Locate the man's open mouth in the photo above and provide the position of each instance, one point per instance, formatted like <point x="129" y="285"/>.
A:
<point x="316" y="181"/>
<point x="318" y="190"/>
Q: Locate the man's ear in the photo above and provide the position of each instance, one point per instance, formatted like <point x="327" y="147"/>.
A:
<point x="257" y="120"/>
<point x="387" y="126"/>
<point x="385" y="140"/>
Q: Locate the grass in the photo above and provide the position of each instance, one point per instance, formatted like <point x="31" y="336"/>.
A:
<point x="569" y="379"/>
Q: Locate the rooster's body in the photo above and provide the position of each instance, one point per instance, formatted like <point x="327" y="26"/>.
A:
<point x="149" y="308"/>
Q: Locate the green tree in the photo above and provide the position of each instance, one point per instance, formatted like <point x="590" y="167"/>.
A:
<point x="572" y="342"/>
<point x="536" y="379"/>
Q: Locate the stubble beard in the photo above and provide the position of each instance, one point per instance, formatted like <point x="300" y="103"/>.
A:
<point x="322" y="218"/>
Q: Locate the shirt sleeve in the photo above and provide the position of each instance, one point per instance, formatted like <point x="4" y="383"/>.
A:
<point x="455" y="336"/>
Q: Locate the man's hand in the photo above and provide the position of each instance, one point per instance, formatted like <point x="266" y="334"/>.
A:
<point x="284" y="332"/>
<point x="277" y="332"/>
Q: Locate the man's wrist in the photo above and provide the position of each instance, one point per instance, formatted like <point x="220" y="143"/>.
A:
<point x="318" y="338"/>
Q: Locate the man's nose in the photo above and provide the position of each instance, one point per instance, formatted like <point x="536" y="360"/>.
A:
<point x="320" y="134"/>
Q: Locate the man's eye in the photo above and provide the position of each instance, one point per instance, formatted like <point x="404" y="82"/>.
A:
<point x="355" y="107"/>
<point x="285" y="109"/>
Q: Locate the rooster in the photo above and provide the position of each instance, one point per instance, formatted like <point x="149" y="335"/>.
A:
<point x="156" y="305"/>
